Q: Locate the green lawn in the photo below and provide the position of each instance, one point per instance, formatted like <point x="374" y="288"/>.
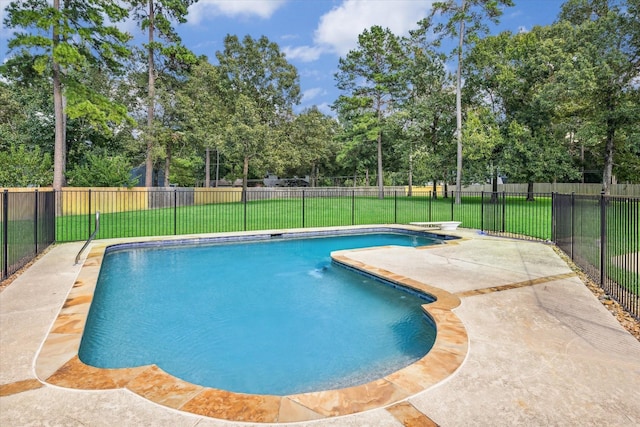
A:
<point x="520" y="217"/>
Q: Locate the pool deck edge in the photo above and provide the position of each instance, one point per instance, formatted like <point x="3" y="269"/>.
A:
<point x="58" y="364"/>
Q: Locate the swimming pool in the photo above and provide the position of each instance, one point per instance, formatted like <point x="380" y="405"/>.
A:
<point x="350" y="328"/>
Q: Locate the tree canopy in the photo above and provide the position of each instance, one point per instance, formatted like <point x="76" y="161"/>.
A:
<point x="83" y="105"/>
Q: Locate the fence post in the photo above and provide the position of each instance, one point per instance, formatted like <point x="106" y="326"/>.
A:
<point x="482" y="211"/>
<point x="603" y="237"/>
<point x="302" y="208"/>
<point x="5" y="234"/>
<point x="244" y="200"/>
<point x="89" y="215"/>
<point x="504" y="211"/>
<point x="353" y="207"/>
<point x="573" y="221"/>
<point x="175" y="211"/>
<point x="430" y="200"/>
<point x="553" y="218"/>
<point x="395" y="206"/>
<point x="453" y="196"/>
<point x="35" y="222"/>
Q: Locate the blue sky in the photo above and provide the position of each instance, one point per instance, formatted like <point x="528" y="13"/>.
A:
<point x="314" y="34"/>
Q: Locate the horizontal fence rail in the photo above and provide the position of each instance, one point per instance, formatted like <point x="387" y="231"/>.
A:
<point x="599" y="233"/>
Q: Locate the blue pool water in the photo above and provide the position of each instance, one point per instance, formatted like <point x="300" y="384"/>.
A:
<point x="273" y="317"/>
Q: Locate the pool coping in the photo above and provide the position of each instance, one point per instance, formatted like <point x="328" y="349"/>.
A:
<point x="57" y="362"/>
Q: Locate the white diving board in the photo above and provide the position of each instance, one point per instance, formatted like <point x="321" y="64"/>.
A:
<point x="442" y="225"/>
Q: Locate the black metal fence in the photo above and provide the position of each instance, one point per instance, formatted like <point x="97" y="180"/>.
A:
<point x="27" y="227"/>
<point x="599" y="233"/>
<point x="187" y="211"/>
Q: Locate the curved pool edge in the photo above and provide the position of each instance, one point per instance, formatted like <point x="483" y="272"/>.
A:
<point x="58" y="364"/>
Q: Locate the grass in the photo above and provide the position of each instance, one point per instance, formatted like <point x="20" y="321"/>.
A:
<point x="520" y="217"/>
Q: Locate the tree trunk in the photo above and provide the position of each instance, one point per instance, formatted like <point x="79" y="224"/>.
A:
<point x="148" y="179"/>
<point x="459" y="108"/>
<point x="530" y="197"/>
<point x="434" y="141"/>
<point x="217" y="166"/>
<point x="494" y="184"/>
<point x="59" y="152"/>
<point x="607" y="174"/>
<point x="582" y="163"/>
<point x="410" y="191"/>
<point x="167" y="167"/>
<point x="207" y="167"/>
<point x="314" y="175"/>
<point x="245" y="177"/>
<point x="380" y="177"/>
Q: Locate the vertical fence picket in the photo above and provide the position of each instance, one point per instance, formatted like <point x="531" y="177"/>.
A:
<point x="482" y="211"/>
<point x="353" y="207"/>
<point x="5" y="234"/>
<point x="395" y="207"/>
<point x="453" y="196"/>
<point x="175" y="211"/>
<point x="35" y="222"/>
<point x="603" y="237"/>
<point x="573" y="222"/>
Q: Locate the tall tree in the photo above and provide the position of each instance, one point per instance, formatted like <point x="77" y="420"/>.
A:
<point x="484" y="144"/>
<point x="512" y="78"/>
<point x="312" y="135"/>
<point x="603" y="43"/>
<point x="246" y="134"/>
<point x="66" y="38"/>
<point x="466" y="21"/>
<point x="356" y="154"/>
<point x="156" y="17"/>
<point x="429" y="109"/>
<point x="201" y="103"/>
<point x="371" y="75"/>
<point x="258" y="81"/>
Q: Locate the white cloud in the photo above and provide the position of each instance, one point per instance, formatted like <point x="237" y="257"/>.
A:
<point x="290" y="37"/>
<point x="326" y="109"/>
<point x="339" y="28"/>
<point x="303" y="53"/>
<point x="310" y="94"/>
<point x="233" y="8"/>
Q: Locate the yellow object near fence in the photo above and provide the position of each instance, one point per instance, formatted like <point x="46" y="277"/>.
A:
<point x="208" y="196"/>
<point x="424" y="190"/>
<point x="81" y="201"/>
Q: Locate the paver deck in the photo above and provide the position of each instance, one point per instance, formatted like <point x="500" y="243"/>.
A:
<point x="540" y="349"/>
